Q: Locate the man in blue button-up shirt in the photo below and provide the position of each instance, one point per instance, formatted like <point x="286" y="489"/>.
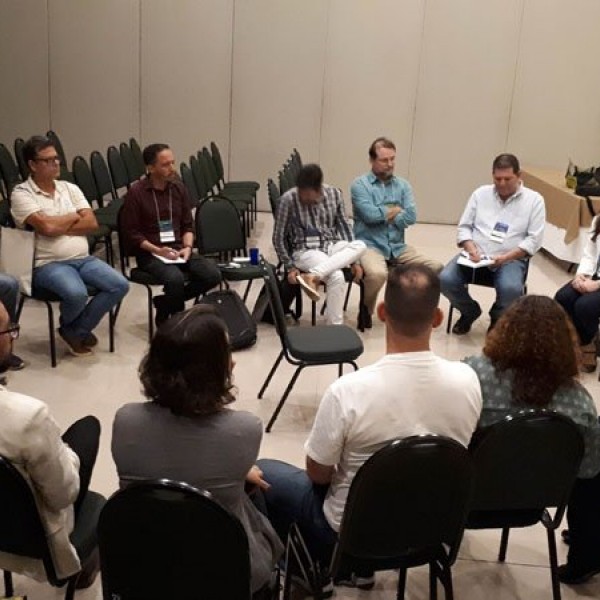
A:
<point x="383" y="208"/>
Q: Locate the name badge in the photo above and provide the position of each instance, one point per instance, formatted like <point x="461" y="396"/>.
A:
<point x="166" y="231"/>
<point x="499" y="232"/>
<point x="313" y="238"/>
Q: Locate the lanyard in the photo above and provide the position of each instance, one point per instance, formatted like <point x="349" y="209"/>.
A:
<point x="170" y="206"/>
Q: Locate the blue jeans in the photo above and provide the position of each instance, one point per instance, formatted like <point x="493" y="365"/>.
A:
<point x="294" y="498"/>
<point x="9" y="292"/>
<point x="508" y="281"/>
<point x="68" y="279"/>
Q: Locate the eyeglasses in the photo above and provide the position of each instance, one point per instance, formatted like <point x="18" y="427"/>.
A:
<point x="53" y="160"/>
<point x="12" y="330"/>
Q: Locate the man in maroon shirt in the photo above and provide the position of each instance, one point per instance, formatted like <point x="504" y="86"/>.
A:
<point x="158" y="230"/>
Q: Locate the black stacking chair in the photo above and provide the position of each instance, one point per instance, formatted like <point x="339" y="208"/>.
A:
<point x="138" y="157"/>
<point x="524" y="465"/>
<point x="108" y="201"/>
<point x="84" y="179"/>
<point x="131" y="165"/>
<point x="8" y="170"/>
<point x="406" y="507"/>
<point x="65" y="174"/>
<point x="18" y="148"/>
<point x="163" y="538"/>
<point x="23" y="532"/>
<point x="307" y="346"/>
<point x="219" y="232"/>
<point x="118" y="171"/>
<point x="190" y="183"/>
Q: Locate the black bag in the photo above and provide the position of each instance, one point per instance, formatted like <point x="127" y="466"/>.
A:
<point x="231" y="308"/>
<point x="289" y="294"/>
<point x="590" y="186"/>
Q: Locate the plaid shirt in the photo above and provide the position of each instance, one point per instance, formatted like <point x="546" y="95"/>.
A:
<point x="309" y="227"/>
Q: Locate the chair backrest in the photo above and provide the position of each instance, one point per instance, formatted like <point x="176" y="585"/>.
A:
<point x="23" y="167"/>
<point x="170" y="536"/>
<point x="8" y="170"/>
<point x="217" y="160"/>
<point x="277" y="309"/>
<point x="218" y="227"/>
<point x="102" y="177"/>
<point x="137" y="156"/>
<point x="22" y="529"/>
<point x="274" y="195"/>
<point x="53" y="137"/>
<point x="199" y="178"/>
<point x="85" y="180"/>
<point x="118" y="171"/>
<point x="411" y="494"/>
<point x="286" y="181"/>
<point x="297" y="158"/>
<point x="526" y="461"/>
<point x="190" y="183"/>
<point x="208" y="168"/>
<point x="131" y="166"/>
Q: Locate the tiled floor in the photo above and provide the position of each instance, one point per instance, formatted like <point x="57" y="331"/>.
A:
<point x="101" y="384"/>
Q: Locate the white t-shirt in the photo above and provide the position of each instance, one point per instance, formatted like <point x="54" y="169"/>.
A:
<point x="398" y="396"/>
<point x="27" y="198"/>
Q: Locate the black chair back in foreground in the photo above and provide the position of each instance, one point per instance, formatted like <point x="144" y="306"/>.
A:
<point x="164" y="539"/>
<point x="524" y="465"/>
<point x="307" y="346"/>
<point x="23" y="532"/>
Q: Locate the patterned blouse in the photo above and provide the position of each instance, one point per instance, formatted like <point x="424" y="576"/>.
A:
<point x="572" y="401"/>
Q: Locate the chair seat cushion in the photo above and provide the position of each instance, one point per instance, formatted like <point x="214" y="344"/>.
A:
<point x="84" y="536"/>
<point x="140" y="276"/>
<point x="324" y="343"/>
<point x="242" y="273"/>
<point x="498" y="519"/>
<point x="250" y="185"/>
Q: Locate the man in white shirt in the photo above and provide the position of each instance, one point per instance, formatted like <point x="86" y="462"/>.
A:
<point x="61" y="217"/>
<point x="409" y="391"/>
<point x="505" y="223"/>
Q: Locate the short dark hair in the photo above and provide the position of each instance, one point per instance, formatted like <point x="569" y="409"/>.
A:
<point x="380" y="142"/>
<point x="34" y="145"/>
<point x="412" y="295"/>
<point x="187" y="367"/>
<point x="152" y="151"/>
<point x="310" y="177"/>
<point x="506" y="161"/>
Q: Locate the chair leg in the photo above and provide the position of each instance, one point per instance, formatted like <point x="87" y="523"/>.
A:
<point x="8" y="584"/>
<point x="112" y="317"/>
<point x="20" y="307"/>
<point x="247" y="290"/>
<point x="553" y="564"/>
<point x="150" y="315"/>
<point x="270" y="375"/>
<point x="52" y="334"/>
<point x="432" y="581"/>
<point x="446" y="578"/>
<point x="313" y="315"/>
<point x="449" y="323"/>
<point x="70" y="593"/>
<point x="288" y="389"/>
<point x="503" y="544"/>
<point x="340" y="369"/>
<point x="347" y="298"/>
<point x="401" y="584"/>
<point x="354" y="365"/>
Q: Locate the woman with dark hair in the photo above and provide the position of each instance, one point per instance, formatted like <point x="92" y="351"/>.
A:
<point x="187" y="433"/>
<point x="530" y="361"/>
<point x="581" y="298"/>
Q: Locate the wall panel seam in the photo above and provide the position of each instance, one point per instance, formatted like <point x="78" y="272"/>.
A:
<point x="515" y="75"/>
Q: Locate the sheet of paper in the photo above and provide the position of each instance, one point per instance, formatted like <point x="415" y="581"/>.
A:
<point x="176" y="261"/>
<point x="465" y="261"/>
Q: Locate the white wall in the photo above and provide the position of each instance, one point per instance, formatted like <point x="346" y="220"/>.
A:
<point x="452" y="82"/>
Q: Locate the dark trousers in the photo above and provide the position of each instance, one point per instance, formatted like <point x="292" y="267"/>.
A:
<point x="83" y="437"/>
<point x="583" y="518"/>
<point x="584" y="310"/>
<point x="203" y="275"/>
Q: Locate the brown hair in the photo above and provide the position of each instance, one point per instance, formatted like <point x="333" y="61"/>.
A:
<point x="380" y="142"/>
<point x="536" y="341"/>
<point x="188" y="365"/>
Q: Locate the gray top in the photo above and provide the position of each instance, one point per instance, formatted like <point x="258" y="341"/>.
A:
<point x="212" y="452"/>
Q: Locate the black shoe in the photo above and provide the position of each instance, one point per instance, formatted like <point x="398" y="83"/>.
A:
<point x="15" y="363"/>
<point x="162" y="312"/>
<point x="365" y="321"/>
<point x="463" y="325"/>
<point x="572" y="575"/>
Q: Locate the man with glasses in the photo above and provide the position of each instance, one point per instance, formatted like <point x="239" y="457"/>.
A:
<point x="9" y="292"/>
<point x="61" y="217"/>
<point x="383" y="208"/>
<point x="158" y="229"/>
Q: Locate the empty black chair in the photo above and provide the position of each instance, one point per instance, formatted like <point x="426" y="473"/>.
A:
<point x="190" y="183"/>
<point x="18" y="148"/>
<point x="274" y="195"/>
<point x="8" y="170"/>
<point x="307" y="346"/>
<point x="108" y="201"/>
<point x="23" y="532"/>
<point x="524" y="465"/>
<point x="131" y="166"/>
<point x="137" y="156"/>
<point x="219" y="232"/>
<point x="84" y="179"/>
<point x="406" y="507"/>
<point x="162" y="539"/>
<point x="118" y="171"/>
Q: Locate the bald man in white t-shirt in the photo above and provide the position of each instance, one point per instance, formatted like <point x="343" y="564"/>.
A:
<point x="409" y="391"/>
